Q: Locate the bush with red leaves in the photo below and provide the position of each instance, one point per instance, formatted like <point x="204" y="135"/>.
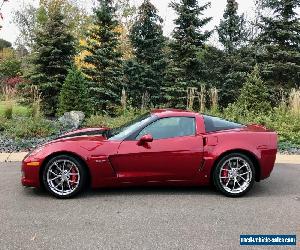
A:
<point x="13" y="82"/>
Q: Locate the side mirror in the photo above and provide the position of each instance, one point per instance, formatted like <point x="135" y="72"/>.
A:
<point x="145" y="138"/>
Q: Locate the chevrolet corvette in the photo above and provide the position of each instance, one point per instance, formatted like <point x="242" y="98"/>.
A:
<point x="163" y="147"/>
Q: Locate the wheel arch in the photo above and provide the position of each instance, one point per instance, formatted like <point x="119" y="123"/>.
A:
<point x="76" y="156"/>
<point x="247" y="153"/>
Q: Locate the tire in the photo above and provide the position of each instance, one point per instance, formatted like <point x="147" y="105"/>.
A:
<point x="64" y="176"/>
<point x="234" y="175"/>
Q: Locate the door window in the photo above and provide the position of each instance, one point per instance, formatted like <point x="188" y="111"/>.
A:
<point x="170" y="127"/>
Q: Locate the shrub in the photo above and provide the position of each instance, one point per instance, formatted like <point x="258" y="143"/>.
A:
<point x="112" y="122"/>
<point x="13" y="82"/>
<point x="30" y="128"/>
<point x="3" y="122"/>
<point x="74" y="93"/>
<point x="8" y="110"/>
<point x="10" y="67"/>
<point x="294" y="101"/>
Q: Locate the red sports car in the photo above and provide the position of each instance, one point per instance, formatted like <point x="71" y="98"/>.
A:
<point x="162" y="147"/>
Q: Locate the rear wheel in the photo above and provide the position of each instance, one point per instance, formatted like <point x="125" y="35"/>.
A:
<point x="64" y="176"/>
<point x="234" y="175"/>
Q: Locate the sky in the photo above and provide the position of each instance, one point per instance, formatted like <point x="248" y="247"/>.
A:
<point x="10" y="32"/>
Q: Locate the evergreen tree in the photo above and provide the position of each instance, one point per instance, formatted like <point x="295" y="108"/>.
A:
<point x="188" y="38"/>
<point x="255" y="96"/>
<point x="148" y="65"/>
<point x="104" y="58"/>
<point x="54" y="52"/>
<point x="235" y="68"/>
<point x="74" y="93"/>
<point x="231" y="30"/>
<point x="279" y="40"/>
<point x="235" y="63"/>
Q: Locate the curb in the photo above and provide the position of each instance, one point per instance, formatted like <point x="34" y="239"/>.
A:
<point x="12" y="157"/>
<point x="16" y="157"/>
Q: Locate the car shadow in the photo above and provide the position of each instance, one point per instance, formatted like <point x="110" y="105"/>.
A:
<point x="150" y="191"/>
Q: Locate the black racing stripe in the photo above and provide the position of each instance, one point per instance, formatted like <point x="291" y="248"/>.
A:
<point x="94" y="132"/>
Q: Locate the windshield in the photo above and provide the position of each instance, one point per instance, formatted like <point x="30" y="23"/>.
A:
<point x="124" y="131"/>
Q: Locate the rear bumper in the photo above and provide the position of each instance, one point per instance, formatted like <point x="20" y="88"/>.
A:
<point x="30" y="175"/>
<point x="267" y="162"/>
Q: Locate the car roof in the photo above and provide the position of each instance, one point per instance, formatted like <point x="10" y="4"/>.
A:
<point x="172" y="112"/>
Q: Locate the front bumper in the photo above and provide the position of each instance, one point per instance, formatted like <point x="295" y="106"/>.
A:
<point x="30" y="174"/>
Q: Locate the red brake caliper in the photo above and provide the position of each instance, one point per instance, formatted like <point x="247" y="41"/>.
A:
<point x="224" y="173"/>
<point x="73" y="178"/>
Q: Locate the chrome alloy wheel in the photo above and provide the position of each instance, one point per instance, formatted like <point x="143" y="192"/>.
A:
<point x="235" y="175"/>
<point x="63" y="177"/>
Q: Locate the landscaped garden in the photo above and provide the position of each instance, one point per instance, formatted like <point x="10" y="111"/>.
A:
<point x="115" y="63"/>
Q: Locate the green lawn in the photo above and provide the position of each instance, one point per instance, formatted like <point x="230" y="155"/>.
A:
<point x="18" y="110"/>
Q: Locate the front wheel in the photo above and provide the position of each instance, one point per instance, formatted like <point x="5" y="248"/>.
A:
<point x="64" y="176"/>
<point x="234" y="175"/>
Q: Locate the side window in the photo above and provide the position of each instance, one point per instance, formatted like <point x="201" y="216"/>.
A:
<point x="213" y="124"/>
<point x="170" y="127"/>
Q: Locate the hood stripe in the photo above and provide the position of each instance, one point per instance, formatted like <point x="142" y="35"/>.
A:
<point x="87" y="133"/>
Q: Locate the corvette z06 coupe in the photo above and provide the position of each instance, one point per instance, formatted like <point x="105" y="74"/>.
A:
<point x="163" y="147"/>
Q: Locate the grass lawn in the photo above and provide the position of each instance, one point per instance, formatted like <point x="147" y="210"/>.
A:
<point x="18" y="110"/>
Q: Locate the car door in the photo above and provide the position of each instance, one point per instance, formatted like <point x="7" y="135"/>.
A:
<point x="175" y="154"/>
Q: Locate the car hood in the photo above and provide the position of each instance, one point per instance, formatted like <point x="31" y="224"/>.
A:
<point x="87" y="138"/>
<point x="84" y="132"/>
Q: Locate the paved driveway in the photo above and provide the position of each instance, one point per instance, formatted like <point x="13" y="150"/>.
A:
<point x="146" y="218"/>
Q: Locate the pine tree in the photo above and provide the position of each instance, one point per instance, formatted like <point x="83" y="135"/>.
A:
<point x="231" y="30"/>
<point x="279" y="40"/>
<point x="188" y="38"/>
<point x="105" y="59"/>
<point x="54" y="52"/>
<point x="74" y="93"/>
<point x="233" y="36"/>
<point x="255" y="96"/>
<point x="149" y="63"/>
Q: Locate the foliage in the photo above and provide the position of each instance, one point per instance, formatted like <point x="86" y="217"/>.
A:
<point x="4" y="44"/>
<point x="13" y="82"/>
<point x="8" y="110"/>
<point x="103" y="46"/>
<point x="30" y="128"/>
<point x="237" y="59"/>
<point x="25" y="19"/>
<point x="18" y="110"/>
<point x="74" y="95"/>
<point x="294" y="101"/>
<point x="188" y="38"/>
<point x="10" y="67"/>
<point x="112" y="122"/>
<point x="28" y="18"/>
<point x="231" y="30"/>
<point x="145" y="73"/>
<point x="254" y="96"/>
<point x="54" y="51"/>
<point x="279" y="43"/>
<point x="126" y="13"/>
